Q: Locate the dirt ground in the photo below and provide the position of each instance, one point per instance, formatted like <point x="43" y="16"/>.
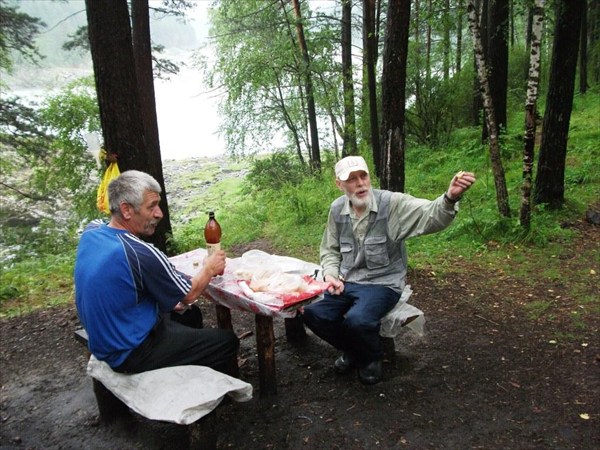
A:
<point x="484" y="376"/>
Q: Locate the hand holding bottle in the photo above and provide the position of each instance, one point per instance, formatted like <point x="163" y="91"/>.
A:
<point x="212" y="236"/>
<point x="215" y="263"/>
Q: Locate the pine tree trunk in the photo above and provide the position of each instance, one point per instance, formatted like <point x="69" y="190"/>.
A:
<point x="116" y="83"/>
<point x="142" y="51"/>
<point x="393" y="85"/>
<point x="349" y="136"/>
<point x="497" y="168"/>
<point x="370" y="58"/>
<point x="312" y="112"/>
<point x="530" y="113"/>
<point x="496" y="56"/>
<point x="583" y="84"/>
<point x="446" y="43"/>
<point x="550" y="177"/>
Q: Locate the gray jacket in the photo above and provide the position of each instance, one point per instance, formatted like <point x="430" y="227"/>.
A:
<point x="370" y="249"/>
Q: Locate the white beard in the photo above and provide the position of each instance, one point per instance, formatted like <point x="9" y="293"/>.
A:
<point x="364" y="204"/>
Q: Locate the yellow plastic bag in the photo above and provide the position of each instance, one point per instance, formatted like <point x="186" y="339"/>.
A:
<point x="112" y="172"/>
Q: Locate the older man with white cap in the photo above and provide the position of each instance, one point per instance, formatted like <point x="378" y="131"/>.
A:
<point x="363" y="256"/>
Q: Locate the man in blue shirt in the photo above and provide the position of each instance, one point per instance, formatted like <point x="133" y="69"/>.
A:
<point x="132" y="301"/>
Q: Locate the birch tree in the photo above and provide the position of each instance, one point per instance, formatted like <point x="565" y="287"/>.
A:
<point x="530" y="112"/>
<point x="490" y="119"/>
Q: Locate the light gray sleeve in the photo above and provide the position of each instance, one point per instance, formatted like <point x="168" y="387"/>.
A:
<point x="330" y="249"/>
<point x="411" y="216"/>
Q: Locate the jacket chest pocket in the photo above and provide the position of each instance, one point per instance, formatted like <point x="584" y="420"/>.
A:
<point x="347" y="251"/>
<point x="376" y="252"/>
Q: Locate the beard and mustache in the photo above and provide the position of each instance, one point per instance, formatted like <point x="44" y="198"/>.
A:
<point x="360" y="203"/>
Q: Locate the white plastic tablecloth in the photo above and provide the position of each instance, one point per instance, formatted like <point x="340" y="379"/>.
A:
<point x="226" y="290"/>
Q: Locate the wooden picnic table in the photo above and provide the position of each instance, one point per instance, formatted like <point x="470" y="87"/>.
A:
<point x="228" y="293"/>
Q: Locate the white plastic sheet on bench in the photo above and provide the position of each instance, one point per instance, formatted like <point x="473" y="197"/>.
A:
<point x="180" y="394"/>
<point x="392" y="323"/>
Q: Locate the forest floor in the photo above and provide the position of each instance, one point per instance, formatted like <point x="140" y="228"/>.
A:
<point x="485" y="375"/>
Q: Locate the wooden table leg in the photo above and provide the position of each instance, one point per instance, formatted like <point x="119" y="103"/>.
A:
<point x="223" y="317"/>
<point x="224" y="322"/>
<point x="265" y="343"/>
<point x="294" y="329"/>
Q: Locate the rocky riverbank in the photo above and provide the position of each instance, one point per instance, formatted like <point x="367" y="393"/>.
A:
<point x="187" y="181"/>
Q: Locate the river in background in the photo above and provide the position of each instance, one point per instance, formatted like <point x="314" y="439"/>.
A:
<point x="188" y="119"/>
<point x="187" y="110"/>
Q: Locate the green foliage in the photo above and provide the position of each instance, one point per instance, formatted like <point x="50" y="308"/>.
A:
<point x="442" y="107"/>
<point x="273" y="172"/>
<point x="52" y="178"/>
<point x="265" y="84"/>
<point x="71" y="114"/>
<point x="36" y="283"/>
<point x="17" y="36"/>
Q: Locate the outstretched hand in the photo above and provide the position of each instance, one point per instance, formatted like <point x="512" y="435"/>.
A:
<point x="459" y="184"/>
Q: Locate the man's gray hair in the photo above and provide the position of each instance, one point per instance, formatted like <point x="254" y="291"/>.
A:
<point x="129" y="187"/>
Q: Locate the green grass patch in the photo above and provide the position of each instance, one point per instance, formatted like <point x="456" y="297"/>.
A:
<point x="36" y="284"/>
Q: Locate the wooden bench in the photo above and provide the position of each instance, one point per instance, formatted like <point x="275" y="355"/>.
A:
<point x="202" y="434"/>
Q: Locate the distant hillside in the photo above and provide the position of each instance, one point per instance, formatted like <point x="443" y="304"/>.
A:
<point x="63" y="19"/>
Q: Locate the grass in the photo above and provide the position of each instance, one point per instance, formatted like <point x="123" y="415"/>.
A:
<point x="36" y="283"/>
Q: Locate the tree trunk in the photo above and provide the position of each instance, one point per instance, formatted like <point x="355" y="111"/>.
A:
<point x="481" y="8"/>
<point x="497" y="59"/>
<point x="393" y="85"/>
<point x="593" y="38"/>
<point x="116" y="84"/>
<point x="530" y="113"/>
<point x="447" y="43"/>
<point x="583" y="84"/>
<point x="459" y="34"/>
<point x="550" y="177"/>
<point x="497" y="169"/>
<point x="370" y="59"/>
<point x="428" y="44"/>
<point x="142" y="51"/>
<point x="416" y="21"/>
<point x="312" y="112"/>
<point x="349" y="136"/>
<point x="528" y="31"/>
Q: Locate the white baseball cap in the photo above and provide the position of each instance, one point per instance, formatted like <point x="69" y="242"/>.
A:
<point x="349" y="164"/>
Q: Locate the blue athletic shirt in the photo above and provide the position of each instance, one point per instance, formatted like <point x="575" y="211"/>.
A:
<point x="121" y="284"/>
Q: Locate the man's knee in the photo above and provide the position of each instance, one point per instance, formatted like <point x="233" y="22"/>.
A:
<point x="359" y="323"/>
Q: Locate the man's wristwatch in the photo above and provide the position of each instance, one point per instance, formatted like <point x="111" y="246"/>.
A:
<point x="449" y="200"/>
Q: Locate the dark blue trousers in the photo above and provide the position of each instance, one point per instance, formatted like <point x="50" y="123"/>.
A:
<point x="179" y="340"/>
<point x="351" y="321"/>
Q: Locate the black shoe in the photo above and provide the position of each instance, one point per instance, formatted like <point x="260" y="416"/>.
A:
<point x="343" y="364"/>
<point x="371" y="373"/>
